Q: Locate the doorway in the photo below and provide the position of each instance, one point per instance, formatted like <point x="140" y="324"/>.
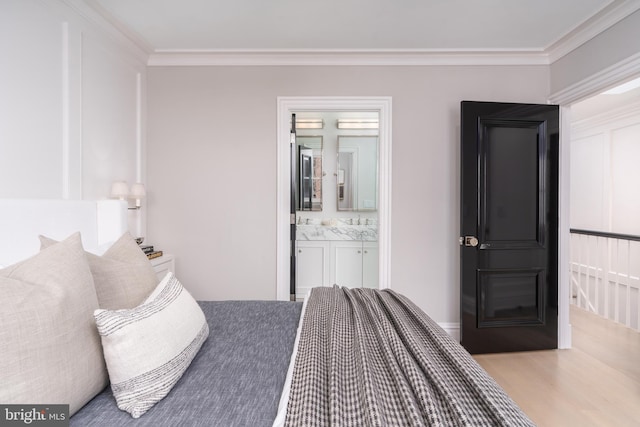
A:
<point x="605" y="205"/>
<point x="335" y="163"/>
<point x="580" y="91"/>
<point x="301" y="105"/>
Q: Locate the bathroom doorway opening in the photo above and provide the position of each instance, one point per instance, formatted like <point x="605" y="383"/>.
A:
<point x="335" y="191"/>
<point x="343" y="228"/>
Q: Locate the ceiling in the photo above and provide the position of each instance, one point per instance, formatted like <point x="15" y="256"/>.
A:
<point x="351" y="25"/>
<point x="539" y="31"/>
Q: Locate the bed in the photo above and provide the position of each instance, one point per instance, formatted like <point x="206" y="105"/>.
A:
<point x="342" y="357"/>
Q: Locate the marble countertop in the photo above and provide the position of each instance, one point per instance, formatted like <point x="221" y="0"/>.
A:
<point x="341" y="232"/>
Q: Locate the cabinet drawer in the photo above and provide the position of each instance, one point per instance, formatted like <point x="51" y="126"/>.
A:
<point x="164" y="264"/>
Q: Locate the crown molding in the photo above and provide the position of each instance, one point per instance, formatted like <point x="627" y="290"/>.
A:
<point x="587" y="30"/>
<point x="93" y="13"/>
<point x="582" y="33"/>
<point x="310" y="57"/>
<point x="603" y="80"/>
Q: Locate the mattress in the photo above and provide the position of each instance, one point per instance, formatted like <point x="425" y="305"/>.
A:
<point x="347" y="357"/>
<point x="235" y="380"/>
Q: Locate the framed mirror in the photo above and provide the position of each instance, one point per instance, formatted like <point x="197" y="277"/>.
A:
<point x="309" y="172"/>
<point x="357" y="173"/>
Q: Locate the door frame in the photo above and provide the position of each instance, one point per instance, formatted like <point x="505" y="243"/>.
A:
<point x="290" y="104"/>
<point x="590" y="86"/>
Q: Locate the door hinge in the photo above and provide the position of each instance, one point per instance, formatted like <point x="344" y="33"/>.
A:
<point x="292" y="219"/>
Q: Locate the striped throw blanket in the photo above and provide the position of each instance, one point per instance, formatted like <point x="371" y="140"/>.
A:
<point x="372" y="358"/>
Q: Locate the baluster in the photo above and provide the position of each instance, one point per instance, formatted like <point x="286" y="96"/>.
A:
<point x="628" y="298"/>
<point x="617" y="289"/>
<point x="605" y="279"/>
<point x="588" y="273"/>
<point x="595" y="275"/>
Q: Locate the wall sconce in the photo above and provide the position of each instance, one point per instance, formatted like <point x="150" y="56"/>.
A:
<point x="137" y="192"/>
<point x="120" y="190"/>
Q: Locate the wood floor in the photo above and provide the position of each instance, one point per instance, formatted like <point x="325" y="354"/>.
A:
<point x="596" y="383"/>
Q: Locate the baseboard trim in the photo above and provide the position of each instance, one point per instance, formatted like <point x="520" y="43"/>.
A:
<point x="452" y="328"/>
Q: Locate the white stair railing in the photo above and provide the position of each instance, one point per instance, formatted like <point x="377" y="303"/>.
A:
<point x="605" y="275"/>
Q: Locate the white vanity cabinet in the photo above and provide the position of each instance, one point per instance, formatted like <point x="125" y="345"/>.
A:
<point x="351" y="263"/>
<point x="346" y="262"/>
<point x="354" y="263"/>
<point x="312" y="259"/>
<point x="370" y="269"/>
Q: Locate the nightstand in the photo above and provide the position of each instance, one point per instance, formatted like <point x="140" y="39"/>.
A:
<point x="163" y="264"/>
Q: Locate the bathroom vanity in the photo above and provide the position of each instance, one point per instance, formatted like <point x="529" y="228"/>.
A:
<point x="345" y="254"/>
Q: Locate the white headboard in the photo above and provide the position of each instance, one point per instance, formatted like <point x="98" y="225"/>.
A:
<point x="21" y="221"/>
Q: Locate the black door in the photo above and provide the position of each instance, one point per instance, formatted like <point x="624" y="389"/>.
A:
<point x="509" y="227"/>
<point x="292" y="211"/>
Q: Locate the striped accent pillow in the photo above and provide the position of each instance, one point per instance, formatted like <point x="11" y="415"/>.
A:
<point x="148" y="348"/>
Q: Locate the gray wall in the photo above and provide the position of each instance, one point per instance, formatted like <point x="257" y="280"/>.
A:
<point x="212" y="168"/>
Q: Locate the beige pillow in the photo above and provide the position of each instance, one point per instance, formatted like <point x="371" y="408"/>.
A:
<point x="149" y="347"/>
<point x="123" y="275"/>
<point x="50" y="350"/>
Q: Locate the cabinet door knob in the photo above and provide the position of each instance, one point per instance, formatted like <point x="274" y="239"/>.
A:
<point x="359" y="252"/>
<point x="299" y="251"/>
<point x="366" y="252"/>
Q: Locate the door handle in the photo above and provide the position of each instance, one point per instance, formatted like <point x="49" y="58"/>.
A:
<point x="468" y="241"/>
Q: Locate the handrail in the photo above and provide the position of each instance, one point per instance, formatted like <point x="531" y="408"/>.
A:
<point x="606" y="234"/>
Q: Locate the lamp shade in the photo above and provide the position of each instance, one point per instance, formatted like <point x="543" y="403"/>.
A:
<point x="137" y="191"/>
<point x="119" y="190"/>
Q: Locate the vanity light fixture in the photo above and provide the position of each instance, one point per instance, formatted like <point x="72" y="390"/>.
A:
<point x="120" y="190"/>
<point x="309" y="123"/>
<point x="358" y="124"/>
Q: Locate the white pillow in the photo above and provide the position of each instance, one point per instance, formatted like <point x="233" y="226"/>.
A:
<point x="123" y="275"/>
<point x="50" y="350"/>
<point x="148" y="348"/>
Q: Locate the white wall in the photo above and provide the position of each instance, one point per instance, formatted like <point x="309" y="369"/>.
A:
<point x="212" y="168"/>
<point x="605" y="149"/>
<point x="72" y="105"/>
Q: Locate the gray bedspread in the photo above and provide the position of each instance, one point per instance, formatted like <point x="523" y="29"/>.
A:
<point x="235" y="380"/>
<point x="373" y="358"/>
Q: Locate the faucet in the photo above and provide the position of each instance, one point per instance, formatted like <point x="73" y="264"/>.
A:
<point x="358" y="219"/>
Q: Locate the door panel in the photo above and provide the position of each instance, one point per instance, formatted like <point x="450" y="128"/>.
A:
<point x="509" y="167"/>
<point x="311" y="265"/>
<point x="370" y="273"/>
<point x="348" y="265"/>
<point x="507" y="297"/>
<point x="510" y="200"/>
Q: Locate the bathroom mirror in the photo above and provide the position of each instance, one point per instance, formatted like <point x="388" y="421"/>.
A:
<point x="309" y="173"/>
<point x="357" y="173"/>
